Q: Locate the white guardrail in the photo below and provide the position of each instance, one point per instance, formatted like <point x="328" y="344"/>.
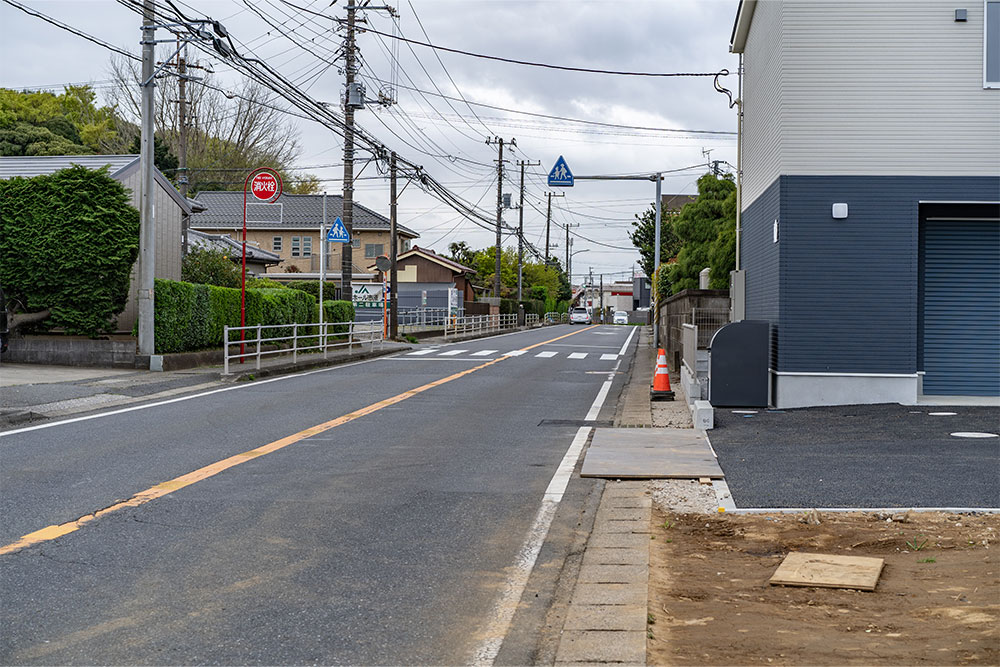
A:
<point x="474" y="324"/>
<point x="262" y="340"/>
<point x="556" y="318"/>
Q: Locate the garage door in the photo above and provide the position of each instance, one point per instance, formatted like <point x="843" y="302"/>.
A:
<point x="960" y="304"/>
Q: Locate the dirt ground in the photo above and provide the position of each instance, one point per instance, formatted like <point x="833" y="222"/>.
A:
<point x="937" y="601"/>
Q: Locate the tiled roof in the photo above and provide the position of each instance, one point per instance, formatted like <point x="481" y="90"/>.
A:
<point x="434" y="257"/>
<point x="233" y="247"/>
<point x="29" y="166"/>
<point x="225" y="210"/>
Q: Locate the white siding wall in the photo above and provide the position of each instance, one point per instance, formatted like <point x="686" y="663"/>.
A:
<point x="168" y="245"/>
<point x="867" y="88"/>
<point x="762" y="103"/>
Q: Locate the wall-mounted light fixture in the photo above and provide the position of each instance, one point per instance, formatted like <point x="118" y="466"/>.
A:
<point x="839" y="211"/>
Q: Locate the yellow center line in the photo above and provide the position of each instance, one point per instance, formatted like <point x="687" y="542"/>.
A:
<point x="168" y="487"/>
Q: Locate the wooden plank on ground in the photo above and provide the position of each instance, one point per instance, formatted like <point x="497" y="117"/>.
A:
<point x="826" y="571"/>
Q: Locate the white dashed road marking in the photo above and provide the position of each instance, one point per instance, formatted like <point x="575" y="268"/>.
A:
<point x="578" y="355"/>
<point x="514" y="353"/>
<point x="608" y="357"/>
<point x="546" y="355"/>
<point x="482" y="353"/>
<point x="452" y="353"/>
<point x="420" y="352"/>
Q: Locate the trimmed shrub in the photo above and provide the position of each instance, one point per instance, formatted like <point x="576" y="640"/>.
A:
<point x="330" y="288"/>
<point x="192" y="317"/>
<point x="264" y="283"/>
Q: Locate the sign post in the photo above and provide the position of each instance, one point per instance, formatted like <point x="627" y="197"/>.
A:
<point x="265" y="186"/>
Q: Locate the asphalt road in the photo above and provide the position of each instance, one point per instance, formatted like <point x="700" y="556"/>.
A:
<point x="383" y="539"/>
<point x="865" y="456"/>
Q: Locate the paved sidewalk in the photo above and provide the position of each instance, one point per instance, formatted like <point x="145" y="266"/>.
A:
<point x="606" y="619"/>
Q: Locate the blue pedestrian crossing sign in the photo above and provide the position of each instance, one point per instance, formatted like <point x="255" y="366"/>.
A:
<point x="560" y="174"/>
<point x="338" y="233"/>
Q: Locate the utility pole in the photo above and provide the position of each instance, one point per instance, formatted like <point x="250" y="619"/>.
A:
<point x="520" y="234"/>
<point x="656" y="260"/>
<point x="182" y="174"/>
<point x="548" y="222"/>
<point x="602" y="298"/>
<point x="520" y="229"/>
<point x="569" y="255"/>
<point x="393" y="299"/>
<point x="499" y="142"/>
<point x="147" y="224"/>
<point x="347" y="215"/>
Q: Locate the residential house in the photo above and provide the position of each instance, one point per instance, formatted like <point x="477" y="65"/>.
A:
<point x="290" y="228"/>
<point x="257" y="259"/>
<point x="870" y="236"/>
<point x="425" y="279"/>
<point x="169" y="206"/>
<point x="672" y="204"/>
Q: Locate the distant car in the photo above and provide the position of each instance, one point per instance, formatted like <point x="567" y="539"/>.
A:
<point x="621" y="317"/>
<point x="580" y="316"/>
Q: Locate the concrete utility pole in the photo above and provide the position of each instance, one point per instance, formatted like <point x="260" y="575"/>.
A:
<point x="548" y="222"/>
<point x="347" y="215"/>
<point x="182" y="174"/>
<point x="499" y="142"/>
<point x="569" y="256"/>
<point x="520" y="234"/>
<point x="602" y="298"/>
<point x="393" y="298"/>
<point x="656" y="259"/>
<point x="147" y="224"/>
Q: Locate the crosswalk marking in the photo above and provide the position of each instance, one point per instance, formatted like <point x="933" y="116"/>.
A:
<point x="482" y="353"/>
<point x="420" y="352"/>
<point x="546" y="355"/>
<point x="514" y="353"/>
<point x="452" y="353"/>
<point x="578" y="355"/>
<point x="608" y="357"/>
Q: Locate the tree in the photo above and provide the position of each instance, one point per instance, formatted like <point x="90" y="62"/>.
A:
<point x="163" y="159"/>
<point x="228" y="134"/>
<point x="703" y="228"/>
<point x="67" y="249"/>
<point x="206" y="266"/>
<point x="643" y="237"/>
<point x="43" y="123"/>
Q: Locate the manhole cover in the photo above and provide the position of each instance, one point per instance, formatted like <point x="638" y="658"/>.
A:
<point x="974" y="434"/>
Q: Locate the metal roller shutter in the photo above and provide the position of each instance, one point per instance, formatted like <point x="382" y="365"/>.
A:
<point x="960" y="306"/>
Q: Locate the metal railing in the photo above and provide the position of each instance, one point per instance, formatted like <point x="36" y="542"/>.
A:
<point x="556" y="318"/>
<point x="422" y="319"/>
<point x="475" y="324"/>
<point x="262" y="340"/>
<point x="531" y="319"/>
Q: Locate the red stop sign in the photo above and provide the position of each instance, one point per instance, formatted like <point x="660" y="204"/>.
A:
<point x="265" y="186"/>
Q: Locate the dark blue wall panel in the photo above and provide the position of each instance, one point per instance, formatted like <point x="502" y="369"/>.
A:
<point x="759" y="257"/>
<point x="848" y="288"/>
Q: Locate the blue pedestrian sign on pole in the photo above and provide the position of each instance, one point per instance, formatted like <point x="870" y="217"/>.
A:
<point x="560" y="174"/>
<point x="338" y="233"/>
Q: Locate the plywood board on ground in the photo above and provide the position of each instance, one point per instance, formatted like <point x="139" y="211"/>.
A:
<point x="802" y="569"/>
<point x="650" y="453"/>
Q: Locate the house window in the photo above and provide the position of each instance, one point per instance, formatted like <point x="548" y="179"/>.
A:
<point x="355" y="243"/>
<point x="991" y="45"/>
<point x="296" y="246"/>
<point x="276" y="243"/>
<point x="406" y="245"/>
<point x="373" y="250"/>
<point x="307" y="246"/>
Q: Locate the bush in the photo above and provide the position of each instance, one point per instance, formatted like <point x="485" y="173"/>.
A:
<point x="68" y="244"/>
<point x="193" y="317"/>
<point x="210" y="267"/>
<point x="337" y="311"/>
<point x="263" y="283"/>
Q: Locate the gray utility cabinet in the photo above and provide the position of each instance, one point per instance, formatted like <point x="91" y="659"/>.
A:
<point x="738" y="366"/>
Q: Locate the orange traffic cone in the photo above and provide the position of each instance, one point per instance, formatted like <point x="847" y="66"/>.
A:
<point x="661" y="379"/>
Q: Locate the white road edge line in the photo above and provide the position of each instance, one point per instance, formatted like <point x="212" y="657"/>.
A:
<point x="524" y="563"/>
<point x="628" y="340"/>
<point x="595" y="409"/>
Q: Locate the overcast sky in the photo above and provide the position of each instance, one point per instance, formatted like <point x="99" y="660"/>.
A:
<point x="646" y="36"/>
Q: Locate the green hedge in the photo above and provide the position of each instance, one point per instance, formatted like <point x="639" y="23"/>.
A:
<point x="192" y="317"/>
